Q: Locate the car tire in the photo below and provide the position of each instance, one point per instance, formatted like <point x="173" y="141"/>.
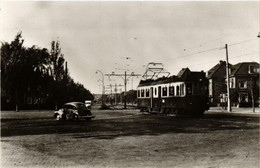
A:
<point x="75" y="117"/>
<point x="57" y="117"/>
<point x="63" y="117"/>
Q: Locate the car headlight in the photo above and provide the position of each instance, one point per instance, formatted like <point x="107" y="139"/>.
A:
<point x="76" y="112"/>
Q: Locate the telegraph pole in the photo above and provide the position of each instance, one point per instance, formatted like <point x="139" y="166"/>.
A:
<point x="227" y="73"/>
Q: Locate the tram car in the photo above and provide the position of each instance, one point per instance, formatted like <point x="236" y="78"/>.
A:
<point x="183" y="95"/>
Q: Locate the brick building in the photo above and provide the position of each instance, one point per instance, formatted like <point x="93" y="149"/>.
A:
<point x="244" y="82"/>
<point x="217" y="85"/>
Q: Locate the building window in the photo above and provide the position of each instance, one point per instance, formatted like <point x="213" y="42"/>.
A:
<point x="243" y="84"/>
<point x="171" y="90"/>
<point x="164" y="91"/>
<point x="223" y="98"/>
<point x="232" y="83"/>
<point x="252" y="69"/>
<point x="243" y="98"/>
<point x="210" y="88"/>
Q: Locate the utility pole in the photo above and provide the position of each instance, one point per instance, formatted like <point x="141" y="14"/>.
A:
<point x="227" y="73"/>
<point x="115" y="94"/>
<point x="125" y="77"/>
<point x="103" y="88"/>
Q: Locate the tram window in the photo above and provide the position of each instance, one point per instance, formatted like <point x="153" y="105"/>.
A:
<point x="171" y="90"/>
<point x="178" y="90"/>
<point x="155" y="91"/>
<point x="142" y="92"/>
<point x="138" y="93"/>
<point x="164" y="92"/>
<point x="147" y="93"/>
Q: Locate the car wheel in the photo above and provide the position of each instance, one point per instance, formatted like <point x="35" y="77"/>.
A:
<point x="63" y="117"/>
<point x="57" y="117"/>
<point x="75" y="117"/>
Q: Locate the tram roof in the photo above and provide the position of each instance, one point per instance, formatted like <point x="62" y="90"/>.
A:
<point x="191" y="76"/>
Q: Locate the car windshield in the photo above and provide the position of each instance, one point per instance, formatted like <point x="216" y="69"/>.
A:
<point x="67" y="106"/>
<point x="82" y="106"/>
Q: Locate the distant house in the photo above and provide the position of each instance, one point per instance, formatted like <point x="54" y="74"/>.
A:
<point x="217" y="85"/>
<point x="244" y="82"/>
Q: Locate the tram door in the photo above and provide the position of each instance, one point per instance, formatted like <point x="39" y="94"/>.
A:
<point x="151" y="96"/>
<point x="159" y="98"/>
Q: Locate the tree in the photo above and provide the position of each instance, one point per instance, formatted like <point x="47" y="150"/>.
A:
<point x="56" y="61"/>
<point x="37" y="73"/>
<point x="131" y="96"/>
<point x="12" y="63"/>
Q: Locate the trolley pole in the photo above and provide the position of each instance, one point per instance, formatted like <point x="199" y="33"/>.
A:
<point x="228" y="88"/>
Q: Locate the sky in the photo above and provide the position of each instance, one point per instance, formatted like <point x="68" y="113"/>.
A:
<point x="123" y="36"/>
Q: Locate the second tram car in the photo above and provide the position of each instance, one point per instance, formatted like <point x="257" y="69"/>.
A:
<point x="184" y="94"/>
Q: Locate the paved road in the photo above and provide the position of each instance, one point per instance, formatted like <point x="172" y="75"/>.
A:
<point x="126" y="138"/>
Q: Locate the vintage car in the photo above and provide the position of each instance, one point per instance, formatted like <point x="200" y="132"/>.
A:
<point x="88" y="104"/>
<point x="73" y="111"/>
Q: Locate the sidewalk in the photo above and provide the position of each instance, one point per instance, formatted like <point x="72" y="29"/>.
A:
<point x="27" y="114"/>
<point x="236" y="110"/>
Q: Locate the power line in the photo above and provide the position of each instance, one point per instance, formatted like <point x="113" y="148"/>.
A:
<point x="244" y="55"/>
<point x="242" y="42"/>
<point x="207" y="63"/>
<point x="212" y="49"/>
<point x="207" y="42"/>
<point x="209" y="50"/>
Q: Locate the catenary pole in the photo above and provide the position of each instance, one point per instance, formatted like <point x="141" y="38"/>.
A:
<point x="125" y="92"/>
<point x="125" y="77"/>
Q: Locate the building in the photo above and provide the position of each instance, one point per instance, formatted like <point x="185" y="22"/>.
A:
<point x="244" y="84"/>
<point x="217" y="85"/>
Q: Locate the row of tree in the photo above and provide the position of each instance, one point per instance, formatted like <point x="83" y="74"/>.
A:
<point x="36" y="77"/>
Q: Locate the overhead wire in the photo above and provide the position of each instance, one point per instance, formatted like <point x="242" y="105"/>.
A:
<point x="242" y="42"/>
<point x="206" y="63"/>
<point x="217" y="48"/>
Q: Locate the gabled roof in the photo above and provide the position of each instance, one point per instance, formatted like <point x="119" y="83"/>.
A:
<point x="213" y="70"/>
<point x="183" y="72"/>
<point x="235" y="69"/>
<point x="242" y="68"/>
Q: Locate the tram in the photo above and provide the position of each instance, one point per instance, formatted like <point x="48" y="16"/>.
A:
<point x="184" y="95"/>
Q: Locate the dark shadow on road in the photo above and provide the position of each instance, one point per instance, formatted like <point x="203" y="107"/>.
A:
<point x="135" y="125"/>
